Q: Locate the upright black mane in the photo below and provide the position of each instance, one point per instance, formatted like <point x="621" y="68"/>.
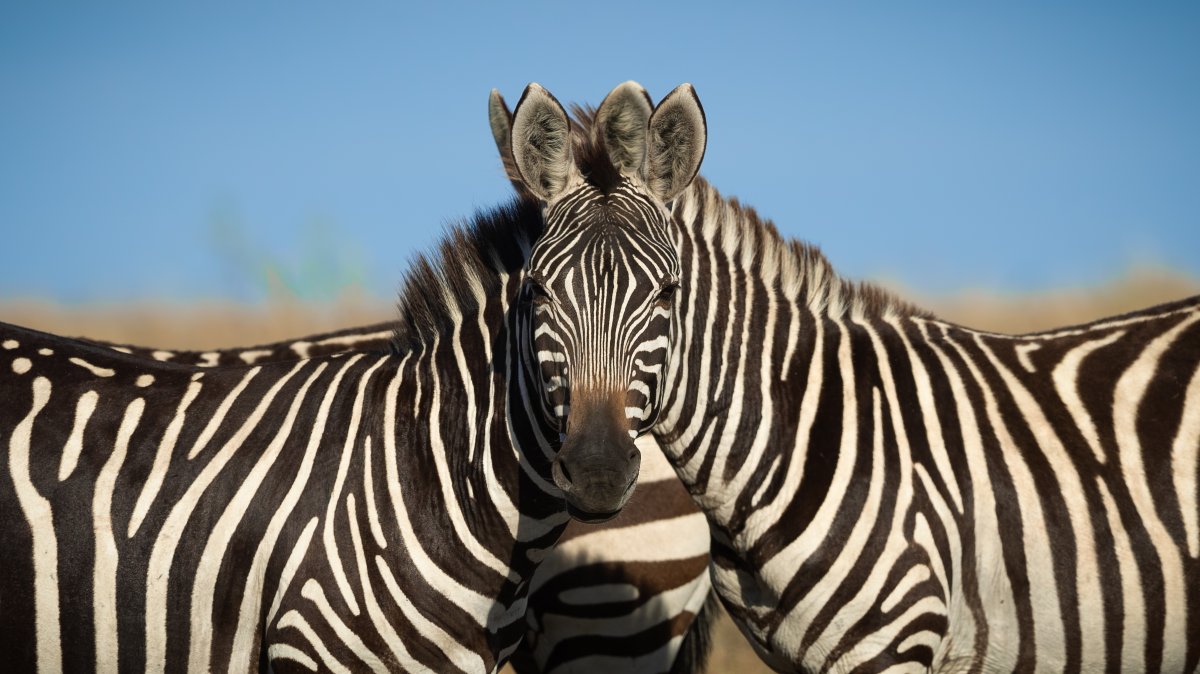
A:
<point x="471" y="254"/>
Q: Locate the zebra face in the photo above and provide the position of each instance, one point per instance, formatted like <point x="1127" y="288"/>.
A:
<point x="598" y="301"/>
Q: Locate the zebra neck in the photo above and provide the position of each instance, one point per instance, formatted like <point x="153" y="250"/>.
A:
<point x="753" y="345"/>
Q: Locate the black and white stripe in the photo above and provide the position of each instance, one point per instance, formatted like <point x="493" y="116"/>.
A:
<point x="351" y="512"/>
<point x="888" y="490"/>
<point x="623" y="595"/>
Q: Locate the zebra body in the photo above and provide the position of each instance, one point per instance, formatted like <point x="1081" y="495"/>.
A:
<point x="622" y="595"/>
<point x="889" y="492"/>
<point x="334" y="511"/>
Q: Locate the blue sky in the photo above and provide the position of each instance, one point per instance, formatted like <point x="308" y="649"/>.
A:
<point x="160" y="151"/>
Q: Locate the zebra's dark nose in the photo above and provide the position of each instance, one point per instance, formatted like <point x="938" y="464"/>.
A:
<point x="597" y="481"/>
<point x="597" y="466"/>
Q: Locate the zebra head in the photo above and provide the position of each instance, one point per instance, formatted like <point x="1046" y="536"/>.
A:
<point x="598" y="301"/>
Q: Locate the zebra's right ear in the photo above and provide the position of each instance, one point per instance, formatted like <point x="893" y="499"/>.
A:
<point x="500" y="120"/>
<point x="541" y="144"/>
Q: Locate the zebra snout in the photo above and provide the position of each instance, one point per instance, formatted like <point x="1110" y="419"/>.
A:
<point x="596" y="478"/>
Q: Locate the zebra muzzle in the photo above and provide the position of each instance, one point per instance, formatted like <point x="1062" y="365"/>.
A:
<point x="596" y="469"/>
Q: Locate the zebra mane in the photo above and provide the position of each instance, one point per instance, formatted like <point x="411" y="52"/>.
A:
<point x="467" y="268"/>
<point x="799" y="268"/>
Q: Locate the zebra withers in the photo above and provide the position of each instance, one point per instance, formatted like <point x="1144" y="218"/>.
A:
<point x="172" y="514"/>
<point x="889" y="491"/>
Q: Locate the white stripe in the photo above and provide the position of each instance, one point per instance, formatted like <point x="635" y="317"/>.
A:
<point x="779" y="570"/>
<point x="297" y="621"/>
<point x="327" y="535"/>
<point x="1127" y="401"/>
<point x="288" y="652"/>
<point x="1066" y="376"/>
<point x="44" y="547"/>
<point x="70" y="454"/>
<point x="107" y="561"/>
<point x="369" y="495"/>
<point x="1133" y="634"/>
<point x="930" y="418"/>
<point x="384" y="626"/>
<point x="474" y="604"/>
<point x="1023" y="351"/>
<point x="460" y="654"/>
<point x="313" y="592"/>
<point x="755" y="454"/>
<point x="837" y="575"/>
<point x="1184" y="462"/>
<point x="252" y="356"/>
<point x="162" y="461"/>
<point x="760" y="521"/>
<point x="915" y="576"/>
<point x="98" y="371"/>
<point x="872" y="645"/>
<point x="290" y="567"/>
<point x="214" y="422"/>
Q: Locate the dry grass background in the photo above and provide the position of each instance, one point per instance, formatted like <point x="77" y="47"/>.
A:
<point x="214" y="325"/>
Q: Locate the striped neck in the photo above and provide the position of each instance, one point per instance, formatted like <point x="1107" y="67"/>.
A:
<point x="751" y="308"/>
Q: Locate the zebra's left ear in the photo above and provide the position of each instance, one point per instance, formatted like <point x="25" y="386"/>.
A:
<point x="678" y="137"/>
<point x="622" y="121"/>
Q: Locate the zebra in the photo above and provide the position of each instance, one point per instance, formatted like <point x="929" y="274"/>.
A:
<point x="631" y="594"/>
<point x="198" y="545"/>
<point x="887" y="491"/>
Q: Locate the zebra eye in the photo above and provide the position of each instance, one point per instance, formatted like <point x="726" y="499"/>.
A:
<point x="666" y="294"/>
<point x="535" y="294"/>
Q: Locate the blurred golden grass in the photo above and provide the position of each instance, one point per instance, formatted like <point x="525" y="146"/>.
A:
<point x="214" y="324"/>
